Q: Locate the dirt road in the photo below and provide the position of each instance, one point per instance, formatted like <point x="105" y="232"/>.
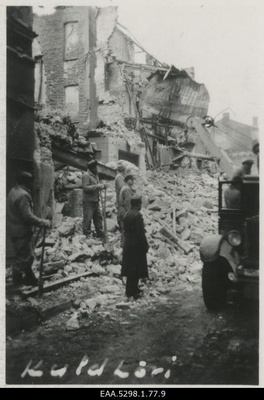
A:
<point x="172" y="341"/>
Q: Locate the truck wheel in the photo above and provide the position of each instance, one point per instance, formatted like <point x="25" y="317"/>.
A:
<point x="214" y="284"/>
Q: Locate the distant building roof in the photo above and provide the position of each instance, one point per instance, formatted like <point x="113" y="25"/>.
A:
<point x="238" y="134"/>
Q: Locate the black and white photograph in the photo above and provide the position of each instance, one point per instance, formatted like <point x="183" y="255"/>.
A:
<point x="131" y="169"/>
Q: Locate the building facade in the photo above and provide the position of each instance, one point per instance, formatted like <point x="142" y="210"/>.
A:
<point x="89" y="66"/>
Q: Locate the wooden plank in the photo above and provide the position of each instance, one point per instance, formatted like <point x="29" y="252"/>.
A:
<point x="56" y="284"/>
<point x="169" y="235"/>
<point x="60" y="307"/>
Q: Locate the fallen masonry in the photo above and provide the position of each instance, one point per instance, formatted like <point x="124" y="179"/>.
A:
<point x="82" y="275"/>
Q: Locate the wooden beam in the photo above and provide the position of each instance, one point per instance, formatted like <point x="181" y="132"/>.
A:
<point x="175" y="241"/>
<point x="56" y="284"/>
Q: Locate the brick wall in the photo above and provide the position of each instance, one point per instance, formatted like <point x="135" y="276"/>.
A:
<point x="68" y="62"/>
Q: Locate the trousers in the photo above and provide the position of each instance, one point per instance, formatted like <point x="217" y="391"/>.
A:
<point x="92" y="212"/>
<point x="132" y="285"/>
<point x="24" y="257"/>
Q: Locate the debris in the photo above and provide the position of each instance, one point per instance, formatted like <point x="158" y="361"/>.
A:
<point x="208" y="204"/>
<point x="123" y="306"/>
<point x="56" y="284"/>
<point x="32" y="301"/>
<point x="97" y="269"/>
<point x="73" y="324"/>
<point x="66" y="229"/>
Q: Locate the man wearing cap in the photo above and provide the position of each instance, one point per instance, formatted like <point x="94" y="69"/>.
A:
<point x="119" y="183"/>
<point x="134" y="263"/>
<point x="91" y="207"/>
<point x="232" y="193"/>
<point x="126" y="193"/>
<point x="244" y="170"/>
<point x="20" y="224"/>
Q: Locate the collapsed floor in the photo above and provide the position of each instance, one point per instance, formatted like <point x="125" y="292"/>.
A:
<point x="86" y="274"/>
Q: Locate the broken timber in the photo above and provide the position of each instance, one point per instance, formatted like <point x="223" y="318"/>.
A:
<point x="80" y="161"/>
<point x="171" y="238"/>
<point x="60" y="282"/>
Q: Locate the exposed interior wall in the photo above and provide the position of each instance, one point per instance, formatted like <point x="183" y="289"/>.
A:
<point x="121" y="46"/>
<point x="110" y="149"/>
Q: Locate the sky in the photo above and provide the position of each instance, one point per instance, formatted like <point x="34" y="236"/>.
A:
<point x="221" y="39"/>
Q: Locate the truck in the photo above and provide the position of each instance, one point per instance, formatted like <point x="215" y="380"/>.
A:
<point x="231" y="257"/>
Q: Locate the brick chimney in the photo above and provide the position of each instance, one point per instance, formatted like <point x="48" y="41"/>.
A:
<point x="255" y="122"/>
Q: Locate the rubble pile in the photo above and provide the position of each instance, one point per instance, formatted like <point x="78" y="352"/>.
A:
<point x="118" y="129"/>
<point x="171" y="263"/>
<point x="54" y="127"/>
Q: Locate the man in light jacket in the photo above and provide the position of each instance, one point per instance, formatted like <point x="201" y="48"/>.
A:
<point x="91" y="200"/>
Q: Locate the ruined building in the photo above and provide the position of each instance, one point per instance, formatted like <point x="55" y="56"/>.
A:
<point x="120" y="96"/>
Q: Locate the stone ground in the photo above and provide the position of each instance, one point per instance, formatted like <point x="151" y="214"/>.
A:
<point x="175" y="339"/>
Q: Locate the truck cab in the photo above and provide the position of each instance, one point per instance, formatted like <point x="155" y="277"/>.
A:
<point x="232" y="257"/>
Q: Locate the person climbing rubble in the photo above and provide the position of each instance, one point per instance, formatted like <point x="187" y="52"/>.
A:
<point x="134" y="262"/>
<point x="91" y="200"/>
<point x="119" y="183"/>
<point x="125" y="196"/>
<point x="20" y="226"/>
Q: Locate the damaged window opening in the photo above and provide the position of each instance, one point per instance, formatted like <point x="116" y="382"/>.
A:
<point x="131" y="157"/>
<point x="71" y="97"/>
<point x="71" y="41"/>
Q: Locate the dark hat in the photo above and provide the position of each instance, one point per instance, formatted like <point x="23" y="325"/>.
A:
<point x="92" y="164"/>
<point x="248" y="161"/>
<point x="129" y="176"/>
<point x="24" y="177"/>
<point x="135" y="200"/>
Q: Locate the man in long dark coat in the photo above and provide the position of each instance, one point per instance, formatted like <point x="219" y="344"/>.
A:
<point x="134" y="264"/>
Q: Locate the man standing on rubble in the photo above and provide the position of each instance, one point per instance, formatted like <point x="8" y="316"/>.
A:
<point x="91" y="201"/>
<point x="20" y="224"/>
<point x="134" y="263"/>
<point x="125" y="196"/>
<point x="119" y="183"/>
